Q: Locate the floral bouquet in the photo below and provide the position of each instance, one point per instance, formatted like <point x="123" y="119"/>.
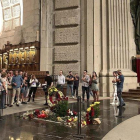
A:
<point x="51" y="90"/>
<point x="93" y="113"/>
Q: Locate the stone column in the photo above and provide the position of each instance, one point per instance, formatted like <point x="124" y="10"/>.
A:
<point x="90" y="36"/>
<point x="104" y="49"/>
<point x="46" y="52"/>
<point x="119" y="41"/>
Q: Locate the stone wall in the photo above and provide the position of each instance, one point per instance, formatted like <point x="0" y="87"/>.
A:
<point x="85" y="34"/>
<point x="67" y="36"/>
<point x="28" y="31"/>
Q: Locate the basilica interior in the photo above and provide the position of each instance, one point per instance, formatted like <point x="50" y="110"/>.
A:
<point x="102" y="36"/>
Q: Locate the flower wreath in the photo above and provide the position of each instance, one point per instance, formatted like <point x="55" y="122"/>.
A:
<point x="51" y="92"/>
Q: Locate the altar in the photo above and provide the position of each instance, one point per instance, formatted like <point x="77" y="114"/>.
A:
<point x="25" y="57"/>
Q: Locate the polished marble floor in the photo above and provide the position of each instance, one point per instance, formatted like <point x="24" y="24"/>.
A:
<point x="13" y="128"/>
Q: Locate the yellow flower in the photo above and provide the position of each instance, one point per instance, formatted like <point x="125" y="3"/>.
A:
<point x="97" y="103"/>
<point x="84" y="123"/>
<point x="75" y="119"/>
<point x="92" y="105"/>
<point x="55" y="89"/>
<point x="89" y="109"/>
<point x="70" y="119"/>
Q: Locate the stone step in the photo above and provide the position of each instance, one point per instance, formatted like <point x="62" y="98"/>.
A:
<point x="131" y="96"/>
<point x="134" y="90"/>
<point x="131" y="93"/>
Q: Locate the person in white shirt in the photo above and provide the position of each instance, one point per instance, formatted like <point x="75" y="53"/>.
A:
<point x="33" y="87"/>
<point x="85" y="85"/>
<point x="115" y="74"/>
<point x="61" y="80"/>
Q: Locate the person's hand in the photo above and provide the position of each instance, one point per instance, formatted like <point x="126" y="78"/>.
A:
<point x="15" y="84"/>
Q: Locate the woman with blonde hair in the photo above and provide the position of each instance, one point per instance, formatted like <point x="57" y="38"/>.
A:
<point x="33" y="87"/>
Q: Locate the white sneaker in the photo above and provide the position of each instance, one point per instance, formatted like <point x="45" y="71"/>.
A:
<point x="73" y="97"/>
<point x="112" y="103"/>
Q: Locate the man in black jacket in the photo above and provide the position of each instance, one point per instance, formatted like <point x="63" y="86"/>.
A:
<point x="49" y="83"/>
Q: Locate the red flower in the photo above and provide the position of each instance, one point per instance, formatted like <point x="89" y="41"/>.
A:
<point x="30" y="116"/>
<point x="51" y="99"/>
<point x="42" y="116"/>
<point x="74" y="113"/>
<point x="66" y="98"/>
<point x="37" y="112"/>
<point x="39" y="116"/>
<point x="87" y="115"/>
<point x="92" y="112"/>
<point x="58" y="95"/>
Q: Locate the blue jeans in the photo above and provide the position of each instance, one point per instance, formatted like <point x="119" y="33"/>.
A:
<point x="70" y="87"/>
<point x="119" y="94"/>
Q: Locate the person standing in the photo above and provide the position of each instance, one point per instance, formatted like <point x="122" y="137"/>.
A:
<point x="60" y="81"/>
<point x="16" y="82"/>
<point x="4" y="89"/>
<point x="120" y="82"/>
<point x="49" y="83"/>
<point x="33" y="83"/>
<point x="115" y="74"/>
<point x="85" y="85"/>
<point x="70" y="80"/>
<point x="94" y="87"/>
<point x="10" y="88"/>
<point x="76" y="84"/>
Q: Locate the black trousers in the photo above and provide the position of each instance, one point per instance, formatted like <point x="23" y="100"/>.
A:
<point x="75" y="89"/>
<point x="85" y="89"/>
<point x="32" y="90"/>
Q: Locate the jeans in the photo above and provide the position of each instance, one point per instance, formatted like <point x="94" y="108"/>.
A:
<point x="3" y="96"/>
<point x="32" y="90"/>
<point x="60" y="87"/>
<point x="85" y="89"/>
<point x="16" y="93"/>
<point x="75" y="88"/>
<point x="70" y="87"/>
<point x="119" y="94"/>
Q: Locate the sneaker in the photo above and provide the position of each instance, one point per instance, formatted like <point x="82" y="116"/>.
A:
<point x="10" y="105"/>
<point x="17" y="104"/>
<point x="73" y="97"/>
<point x="24" y="103"/>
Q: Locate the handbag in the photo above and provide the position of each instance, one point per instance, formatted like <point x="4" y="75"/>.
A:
<point x="10" y="87"/>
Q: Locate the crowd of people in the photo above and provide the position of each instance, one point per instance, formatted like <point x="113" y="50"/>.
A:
<point x="17" y="87"/>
